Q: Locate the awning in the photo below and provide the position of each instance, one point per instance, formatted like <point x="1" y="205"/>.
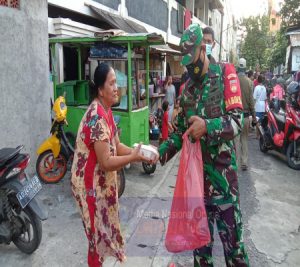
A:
<point x="118" y="22"/>
<point x="165" y="49"/>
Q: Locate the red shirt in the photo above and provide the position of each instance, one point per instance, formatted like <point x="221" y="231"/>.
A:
<point x="255" y="83"/>
<point x="165" y="122"/>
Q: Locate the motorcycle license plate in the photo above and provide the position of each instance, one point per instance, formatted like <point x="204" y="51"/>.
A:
<point x="28" y="192"/>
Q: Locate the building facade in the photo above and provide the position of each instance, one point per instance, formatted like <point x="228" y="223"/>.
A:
<point x="171" y="20"/>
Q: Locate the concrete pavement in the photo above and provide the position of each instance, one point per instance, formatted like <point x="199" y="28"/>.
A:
<point x="269" y="201"/>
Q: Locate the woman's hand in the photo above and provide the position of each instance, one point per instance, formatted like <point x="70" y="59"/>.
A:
<point x="136" y="155"/>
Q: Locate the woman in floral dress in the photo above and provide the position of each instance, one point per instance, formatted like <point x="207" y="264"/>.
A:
<point x="98" y="155"/>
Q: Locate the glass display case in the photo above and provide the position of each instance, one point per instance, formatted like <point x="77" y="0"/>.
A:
<point x="138" y="81"/>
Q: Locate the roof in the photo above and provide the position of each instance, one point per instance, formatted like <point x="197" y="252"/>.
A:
<point x="114" y="36"/>
<point x="118" y="22"/>
<point x="165" y="49"/>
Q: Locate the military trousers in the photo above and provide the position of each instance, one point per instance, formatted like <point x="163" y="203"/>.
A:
<point x="230" y="229"/>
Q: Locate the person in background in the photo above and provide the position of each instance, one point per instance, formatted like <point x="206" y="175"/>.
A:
<point x="176" y="111"/>
<point x="278" y="90"/>
<point x="166" y="124"/>
<point x="184" y="79"/>
<point x="260" y="96"/>
<point x="212" y="113"/>
<point x="209" y="42"/>
<point x="255" y="82"/>
<point x="251" y="78"/>
<point x="97" y="157"/>
<point x="241" y="141"/>
<point x="170" y="95"/>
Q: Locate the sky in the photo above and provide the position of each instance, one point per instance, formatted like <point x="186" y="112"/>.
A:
<point x="246" y="8"/>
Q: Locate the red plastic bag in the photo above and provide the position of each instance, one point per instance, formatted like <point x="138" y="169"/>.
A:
<point x="188" y="225"/>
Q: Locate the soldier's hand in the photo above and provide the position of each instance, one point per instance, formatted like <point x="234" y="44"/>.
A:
<point x="197" y="127"/>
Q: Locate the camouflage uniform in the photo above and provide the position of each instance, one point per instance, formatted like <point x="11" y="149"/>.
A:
<point x="210" y="101"/>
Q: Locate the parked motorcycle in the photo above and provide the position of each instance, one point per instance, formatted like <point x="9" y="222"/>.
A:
<point x="280" y="128"/>
<point x="55" y="155"/>
<point x="20" y="211"/>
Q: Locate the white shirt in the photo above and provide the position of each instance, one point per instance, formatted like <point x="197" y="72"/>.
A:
<point x="170" y="94"/>
<point x="260" y="96"/>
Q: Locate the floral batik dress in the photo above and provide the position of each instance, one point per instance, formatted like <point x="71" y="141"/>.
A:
<point x="95" y="190"/>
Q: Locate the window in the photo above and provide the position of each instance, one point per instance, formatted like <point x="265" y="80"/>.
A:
<point x="180" y="19"/>
<point x="138" y="80"/>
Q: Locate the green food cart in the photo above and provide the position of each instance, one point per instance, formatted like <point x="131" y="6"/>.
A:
<point x="129" y="55"/>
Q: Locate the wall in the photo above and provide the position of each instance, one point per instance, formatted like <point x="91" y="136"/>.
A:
<point x="24" y="83"/>
<point x="147" y="12"/>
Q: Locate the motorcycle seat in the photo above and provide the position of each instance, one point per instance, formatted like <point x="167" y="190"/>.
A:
<point x="7" y="154"/>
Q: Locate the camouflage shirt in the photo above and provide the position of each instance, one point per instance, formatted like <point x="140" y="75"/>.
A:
<point x="220" y="105"/>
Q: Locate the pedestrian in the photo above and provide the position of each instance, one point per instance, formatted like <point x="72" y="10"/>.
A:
<point x="212" y="113"/>
<point x="209" y="42"/>
<point x="175" y="114"/>
<point x="251" y="78"/>
<point x="260" y="97"/>
<point x="183" y="80"/>
<point x="278" y="90"/>
<point x="241" y="141"/>
<point x="98" y="154"/>
<point x="170" y="95"/>
<point x="166" y="124"/>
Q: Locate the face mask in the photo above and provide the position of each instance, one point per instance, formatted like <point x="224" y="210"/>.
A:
<point x="195" y="70"/>
<point x="208" y="48"/>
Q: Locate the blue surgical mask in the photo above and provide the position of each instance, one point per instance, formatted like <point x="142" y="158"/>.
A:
<point x="208" y="48"/>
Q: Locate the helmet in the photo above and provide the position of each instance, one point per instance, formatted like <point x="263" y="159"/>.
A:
<point x="190" y="39"/>
<point x="293" y="88"/>
<point x="242" y="63"/>
<point x="280" y="81"/>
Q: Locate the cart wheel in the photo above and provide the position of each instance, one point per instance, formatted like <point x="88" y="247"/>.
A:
<point x="149" y="168"/>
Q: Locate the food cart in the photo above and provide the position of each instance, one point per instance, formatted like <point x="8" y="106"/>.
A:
<point x="128" y="54"/>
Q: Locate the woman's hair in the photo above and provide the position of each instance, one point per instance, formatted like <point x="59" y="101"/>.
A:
<point x="165" y="105"/>
<point x="100" y="77"/>
<point x="260" y="78"/>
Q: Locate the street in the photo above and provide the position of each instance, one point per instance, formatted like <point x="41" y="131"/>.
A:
<point x="270" y="205"/>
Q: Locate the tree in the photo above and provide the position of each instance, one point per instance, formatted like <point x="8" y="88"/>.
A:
<point x="290" y="13"/>
<point x="276" y="55"/>
<point x="256" y="42"/>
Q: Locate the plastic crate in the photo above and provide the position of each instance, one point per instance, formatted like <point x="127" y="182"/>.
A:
<point x="82" y="92"/>
<point x="68" y="88"/>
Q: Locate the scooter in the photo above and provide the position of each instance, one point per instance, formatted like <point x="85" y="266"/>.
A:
<point x="280" y="128"/>
<point x="20" y="212"/>
<point x="55" y="154"/>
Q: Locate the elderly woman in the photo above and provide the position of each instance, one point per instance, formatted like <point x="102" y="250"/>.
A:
<point x="98" y="155"/>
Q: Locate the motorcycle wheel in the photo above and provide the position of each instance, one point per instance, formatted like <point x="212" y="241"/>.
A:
<point x="262" y="145"/>
<point x="31" y="235"/>
<point x="121" y="182"/>
<point x="49" y="169"/>
<point x="293" y="156"/>
<point x="149" y="168"/>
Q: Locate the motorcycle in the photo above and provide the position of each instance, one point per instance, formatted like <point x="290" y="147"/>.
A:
<point x="280" y="128"/>
<point x="55" y="154"/>
<point x="20" y="212"/>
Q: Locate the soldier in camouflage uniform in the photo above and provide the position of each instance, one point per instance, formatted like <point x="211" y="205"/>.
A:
<point x="212" y="112"/>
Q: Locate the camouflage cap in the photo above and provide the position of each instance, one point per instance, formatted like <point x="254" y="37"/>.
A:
<point x="189" y="41"/>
